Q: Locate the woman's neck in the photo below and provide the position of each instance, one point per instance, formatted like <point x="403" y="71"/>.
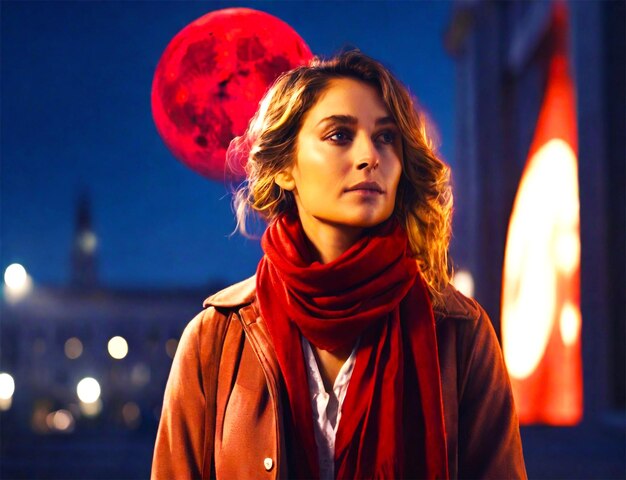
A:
<point x="330" y="241"/>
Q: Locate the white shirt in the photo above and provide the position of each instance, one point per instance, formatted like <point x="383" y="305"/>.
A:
<point x="326" y="407"/>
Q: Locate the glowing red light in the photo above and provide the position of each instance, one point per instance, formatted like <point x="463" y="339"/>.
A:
<point x="541" y="318"/>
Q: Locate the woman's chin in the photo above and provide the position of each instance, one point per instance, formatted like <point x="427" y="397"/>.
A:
<point x="364" y="221"/>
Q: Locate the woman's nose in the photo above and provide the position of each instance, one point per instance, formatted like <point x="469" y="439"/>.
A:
<point x="367" y="156"/>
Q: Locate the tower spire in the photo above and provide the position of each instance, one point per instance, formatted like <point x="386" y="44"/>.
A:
<point x="84" y="271"/>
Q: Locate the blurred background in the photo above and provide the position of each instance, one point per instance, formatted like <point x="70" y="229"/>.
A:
<point x="108" y="244"/>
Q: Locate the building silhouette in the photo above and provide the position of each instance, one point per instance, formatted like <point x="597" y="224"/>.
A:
<point x="57" y="335"/>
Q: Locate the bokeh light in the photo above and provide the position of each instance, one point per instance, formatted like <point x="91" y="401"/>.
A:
<point x="118" y="347"/>
<point x="7" y="386"/>
<point x="15" y="276"/>
<point x="463" y="281"/>
<point x="73" y="348"/>
<point x="88" y="390"/>
<point x="131" y="414"/>
<point x="140" y="375"/>
<point x="570" y="323"/>
<point x="88" y="242"/>
<point x="61" y="420"/>
<point x="17" y="283"/>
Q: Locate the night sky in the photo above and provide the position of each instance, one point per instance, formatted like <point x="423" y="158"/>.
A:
<point x="75" y="116"/>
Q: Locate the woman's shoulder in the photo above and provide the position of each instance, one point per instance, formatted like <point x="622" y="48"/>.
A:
<point x="464" y="327"/>
<point x="454" y="305"/>
<point x="463" y="321"/>
<point x="215" y="318"/>
<point x="237" y="295"/>
<point x="216" y="325"/>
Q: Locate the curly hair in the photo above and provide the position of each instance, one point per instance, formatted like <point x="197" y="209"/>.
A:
<point x="424" y="196"/>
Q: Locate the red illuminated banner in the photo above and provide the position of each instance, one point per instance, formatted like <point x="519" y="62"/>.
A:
<point x="541" y="319"/>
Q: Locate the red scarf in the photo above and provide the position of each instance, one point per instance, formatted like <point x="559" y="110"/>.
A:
<point x="392" y="425"/>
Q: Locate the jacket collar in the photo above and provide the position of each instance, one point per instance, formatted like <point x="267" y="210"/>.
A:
<point x="236" y="295"/>
<point x="454" y="304"/>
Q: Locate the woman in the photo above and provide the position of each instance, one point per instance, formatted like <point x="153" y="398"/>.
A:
<point x="348" y="355"/>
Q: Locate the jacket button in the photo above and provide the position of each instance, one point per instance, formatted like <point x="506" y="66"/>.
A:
<point x="268" y="463"/>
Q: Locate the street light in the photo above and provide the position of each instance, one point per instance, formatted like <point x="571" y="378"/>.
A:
<point x="17" y="282"/>
<point x="7" y="387"/>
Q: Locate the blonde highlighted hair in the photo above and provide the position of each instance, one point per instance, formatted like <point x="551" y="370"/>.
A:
<point x="424" y="197"/>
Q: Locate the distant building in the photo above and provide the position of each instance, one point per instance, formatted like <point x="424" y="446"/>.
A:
<point x="55" y="336"/>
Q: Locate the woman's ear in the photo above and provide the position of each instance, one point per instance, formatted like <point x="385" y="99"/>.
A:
<point x="285" y="180"/>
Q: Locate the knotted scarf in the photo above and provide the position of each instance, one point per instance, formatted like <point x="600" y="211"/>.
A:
<point x="392" y="424"/>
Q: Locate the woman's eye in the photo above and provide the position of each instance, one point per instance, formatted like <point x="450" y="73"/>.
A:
<point x="339" y="137"/>
<point x="387" y="137"/>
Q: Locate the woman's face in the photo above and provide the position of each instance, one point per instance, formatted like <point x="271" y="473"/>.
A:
<point x="347" y="164"/>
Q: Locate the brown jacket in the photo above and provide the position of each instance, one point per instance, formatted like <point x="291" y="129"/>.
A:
<point x="222" y="412"/>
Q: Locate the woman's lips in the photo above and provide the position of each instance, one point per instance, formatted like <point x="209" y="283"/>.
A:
<point x="371" y="188"/>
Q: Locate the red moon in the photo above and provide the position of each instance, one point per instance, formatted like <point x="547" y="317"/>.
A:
<point x="211" y="77"/>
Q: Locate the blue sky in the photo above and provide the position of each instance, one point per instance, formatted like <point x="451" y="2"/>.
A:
<point x="75" y="114"/>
